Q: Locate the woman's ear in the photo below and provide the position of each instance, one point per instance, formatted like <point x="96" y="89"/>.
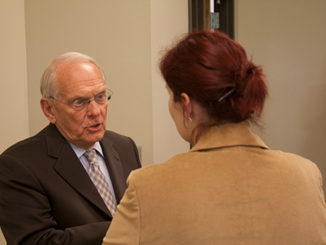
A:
<point x="48" y="109"/>
<point x="186" y="106"/>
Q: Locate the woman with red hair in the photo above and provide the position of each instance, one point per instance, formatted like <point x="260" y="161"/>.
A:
<point x="230" y="188"/>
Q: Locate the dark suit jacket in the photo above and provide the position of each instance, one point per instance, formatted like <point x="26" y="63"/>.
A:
<point x="46" y="196"/>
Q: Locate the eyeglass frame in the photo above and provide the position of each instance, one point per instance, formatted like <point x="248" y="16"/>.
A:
<point x="86" y="101"/>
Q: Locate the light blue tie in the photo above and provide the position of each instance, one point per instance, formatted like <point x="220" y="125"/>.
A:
<point x="99" y="181"/>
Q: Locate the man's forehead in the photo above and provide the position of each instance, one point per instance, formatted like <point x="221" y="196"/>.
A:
<point x="74" y="68"/>
<point x="83" y="79"/>
<point x="78" y="74"/>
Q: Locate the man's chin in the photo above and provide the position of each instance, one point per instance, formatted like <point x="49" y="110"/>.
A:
<point x="96" y="136"/>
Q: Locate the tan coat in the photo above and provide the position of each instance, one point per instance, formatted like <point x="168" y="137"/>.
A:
<point x="229" y="189"/>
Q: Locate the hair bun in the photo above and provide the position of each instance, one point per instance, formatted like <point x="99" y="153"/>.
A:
<point x="215" y="71"/>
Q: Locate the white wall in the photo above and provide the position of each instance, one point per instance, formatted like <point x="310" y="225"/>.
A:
<point x="288" y="39"/>
<point x="13" y="99"/>
<point x="125" y="37"/>
<point x="169" y="19"/>
<point x="117" y="34"/>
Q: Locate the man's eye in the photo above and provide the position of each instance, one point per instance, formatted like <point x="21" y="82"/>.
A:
<point x="100" y="97"/>
<point x="78" y="102"/>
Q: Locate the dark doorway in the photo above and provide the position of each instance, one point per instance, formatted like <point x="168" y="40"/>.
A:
<point x="212" y="14"/>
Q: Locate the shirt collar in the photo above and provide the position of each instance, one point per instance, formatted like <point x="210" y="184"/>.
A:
<point x="80" y="151"/>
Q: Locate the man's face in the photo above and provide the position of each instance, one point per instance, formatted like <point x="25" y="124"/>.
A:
<point x="73" y="82"/>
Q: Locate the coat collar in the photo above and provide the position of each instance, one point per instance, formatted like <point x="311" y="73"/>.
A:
<point x="228" y="135"/>
<point x="69" y="167"/>
<point x="114" y="165"/>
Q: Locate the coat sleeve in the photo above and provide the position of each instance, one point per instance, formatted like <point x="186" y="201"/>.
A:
<point x="26" y="215"/>
<point x="125" y="227"/>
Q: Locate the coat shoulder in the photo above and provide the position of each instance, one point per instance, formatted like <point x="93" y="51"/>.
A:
<point x="26" y="145"/>
<point x="292" y="161"/>
<point x="114" y="136"/>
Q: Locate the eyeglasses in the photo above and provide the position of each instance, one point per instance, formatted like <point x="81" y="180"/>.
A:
<point x="82" y="103"/>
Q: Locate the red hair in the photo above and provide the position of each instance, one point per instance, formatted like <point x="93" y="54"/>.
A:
<point x="214" y="70"/>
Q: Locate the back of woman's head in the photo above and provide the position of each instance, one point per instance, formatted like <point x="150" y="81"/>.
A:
<point x="214" y="71"/>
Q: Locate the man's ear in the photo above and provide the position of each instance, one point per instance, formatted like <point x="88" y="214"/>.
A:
<point x="48" y="109"/>
<point x="186" y="106"/>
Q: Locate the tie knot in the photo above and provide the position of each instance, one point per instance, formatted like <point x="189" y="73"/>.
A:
<point x="91" y="156"/>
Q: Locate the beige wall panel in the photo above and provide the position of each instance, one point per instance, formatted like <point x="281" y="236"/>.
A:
<point x="169" y="19"/>
<point x="117" y="34"/>
<point x="13" y="96"/>
<point x="288" y="39"/>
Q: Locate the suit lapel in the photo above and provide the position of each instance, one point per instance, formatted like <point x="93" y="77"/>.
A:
<point x="69" y="168"/>
<point x="114" y="166"/>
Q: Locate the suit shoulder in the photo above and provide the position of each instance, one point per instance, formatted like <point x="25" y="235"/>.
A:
<point x="113" y="134"/>
<point x="23" y="148"/>
<point x="117" y="138"/>
<point x="25" y="144"/>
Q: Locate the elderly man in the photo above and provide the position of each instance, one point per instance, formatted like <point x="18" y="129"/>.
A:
<point x="62" y="185"/>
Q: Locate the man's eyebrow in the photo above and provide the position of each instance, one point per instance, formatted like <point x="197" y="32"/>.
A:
<point x="77" y="98"/>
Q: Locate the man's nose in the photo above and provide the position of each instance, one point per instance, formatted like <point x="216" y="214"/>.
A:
<point x="93" y="108"/>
